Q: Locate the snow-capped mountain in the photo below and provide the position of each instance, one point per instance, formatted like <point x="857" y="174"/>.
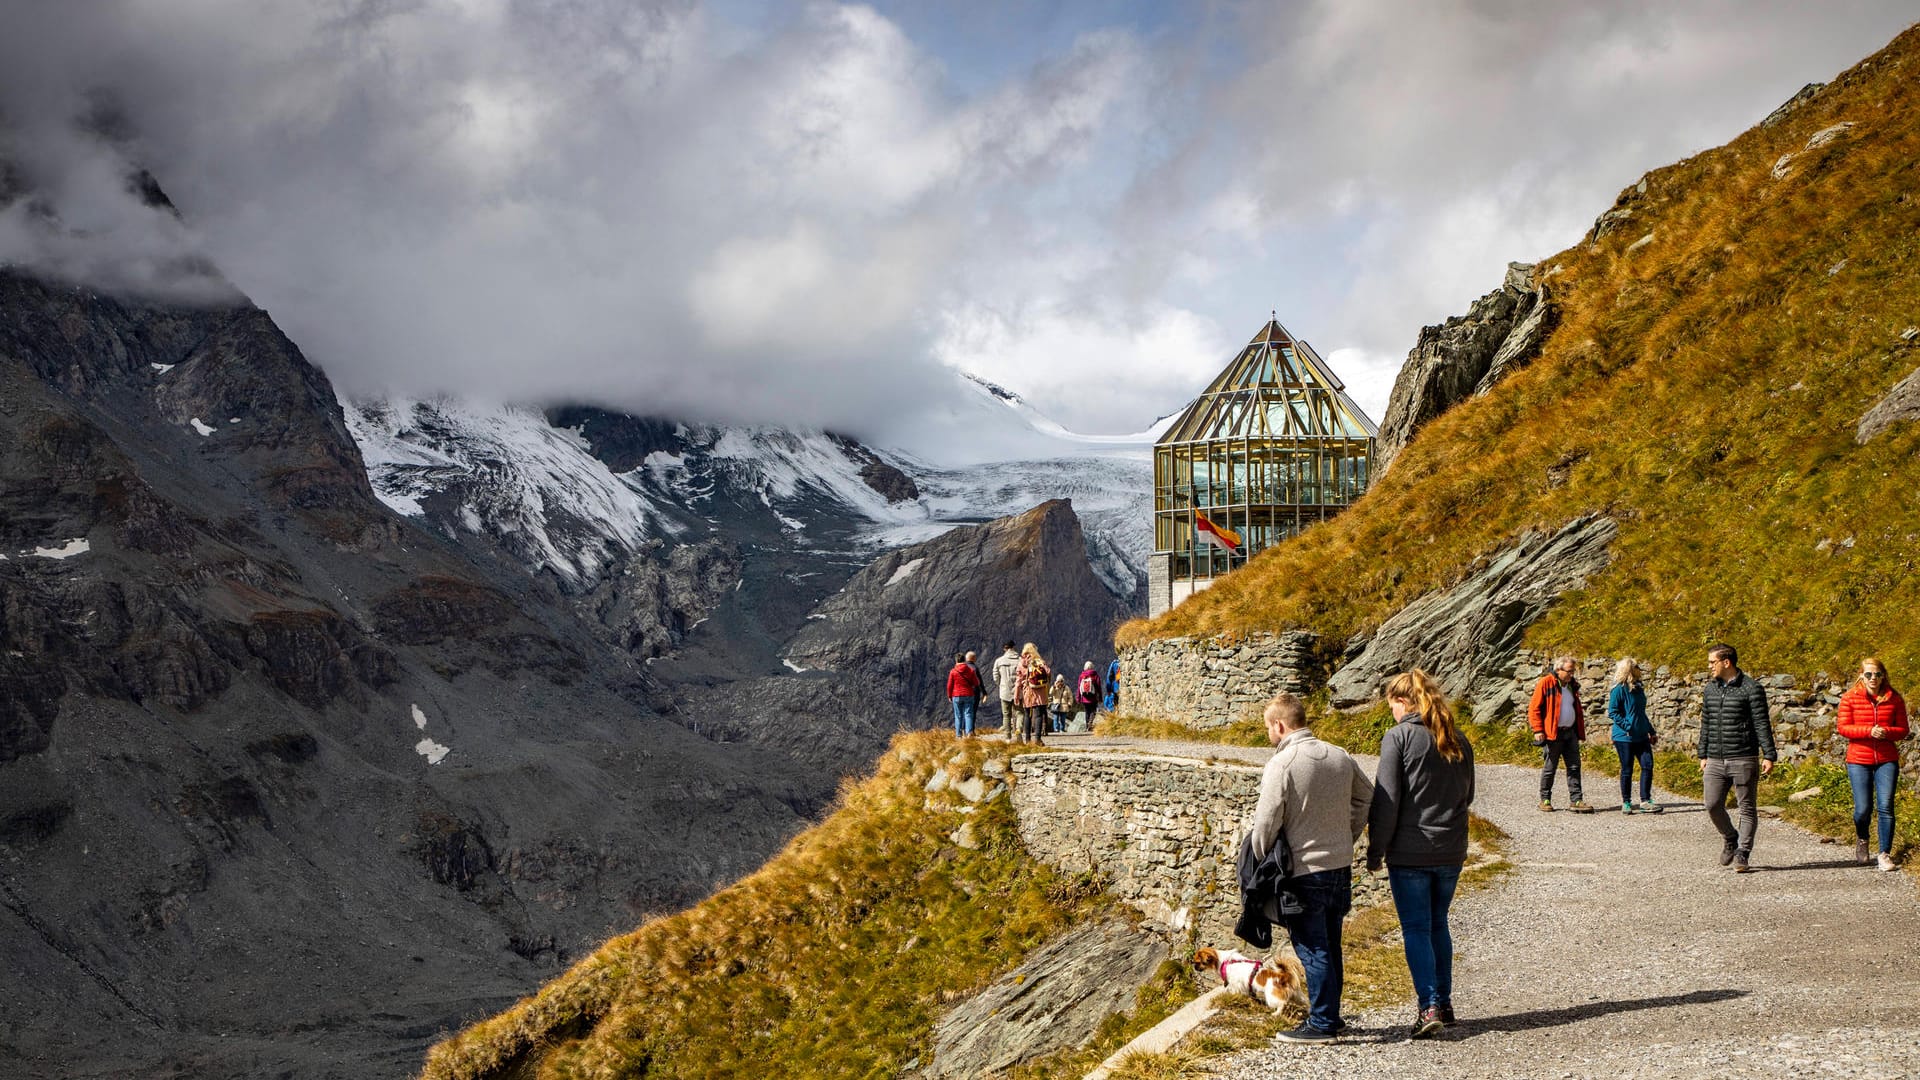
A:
<point x="573" y="492"/>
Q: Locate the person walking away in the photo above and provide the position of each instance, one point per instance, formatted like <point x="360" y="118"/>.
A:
<point x="1417" y="827"/>
<point x="1559" y="725"/>
<point x="1112" y="699"/>
<point x="973" y="661"/>
<point x="1059" y="704"/>
<point x="1031" y="676"/>
<point x="1006" y="678"/>
<point x="963" y="692"/>
<point x="1313" y="797"/>
<point x="1736" y="750"/>
<point x="1873" y="720"/>
<point x="1633" y="736"/>
<point x="1089" y="695"/>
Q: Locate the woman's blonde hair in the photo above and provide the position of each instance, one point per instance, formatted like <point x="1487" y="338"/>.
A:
<point x="1034" y="651"/>
<point x="1418" y="689"/>
<point x="1626" y="671"/>
<point x="1886" y="677"/>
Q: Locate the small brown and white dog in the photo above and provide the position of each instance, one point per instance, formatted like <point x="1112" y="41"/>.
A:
<point x="1277" y="983"/>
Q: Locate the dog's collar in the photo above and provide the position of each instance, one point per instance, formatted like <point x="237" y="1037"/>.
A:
<point x="1241" y="960"/>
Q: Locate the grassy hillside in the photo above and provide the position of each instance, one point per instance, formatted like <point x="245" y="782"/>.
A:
<point x="1703" y="384"/>
<point x="833" y="960"/>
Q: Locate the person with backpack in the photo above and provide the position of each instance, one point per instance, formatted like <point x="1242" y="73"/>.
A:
<point x="1417" y="828"/>
<point x="1873" y="720"/>
<point x="1633" y="736"/>
<point x="963" y="692"/>
<point x="1112" y="700"/>
<point x="1006" y="672"/>
<point x="1089" y="695"/>
<point x="1031" y="678"/>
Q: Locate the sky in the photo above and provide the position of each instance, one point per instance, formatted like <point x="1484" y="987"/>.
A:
<point x="810" y="213"/>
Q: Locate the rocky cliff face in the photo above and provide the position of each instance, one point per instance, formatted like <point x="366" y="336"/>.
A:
<point x="1464" y="356"/>
<point x="288" y="784"/>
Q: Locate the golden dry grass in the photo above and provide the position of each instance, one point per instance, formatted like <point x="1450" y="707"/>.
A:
<point x="833" y="960"/>
<point x="1703" y="390"/>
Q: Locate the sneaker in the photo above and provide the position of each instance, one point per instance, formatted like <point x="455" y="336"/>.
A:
<point x="1426" y="1023"/>
<point x="1649" y="808"/>
<point x="1446" y="1014"/>
<point x="1740" y="864"/>
<point x="1580" y="807"/>
<point x="1626" y="808"/>
<point x="1886" y="862"/>
<point x="1546" y="804"/>
<point x="1727" y="853"/>
<point x="1860" y="851"/>
<point x="1305" y="1033"/>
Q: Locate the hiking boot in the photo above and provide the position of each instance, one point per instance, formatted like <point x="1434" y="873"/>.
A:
<point x="1727" y="853"/>
<point x="1305" y="1033"/>
<point x="1648" y="808"/>
<point x="1546" y="804"/>
<point x="1580" y="807"/>
<point x="1740" y="864"/>
<point x="1426" y="1023"/>
<point x="1886" y="862"/>
<point x="1860" y="851"/>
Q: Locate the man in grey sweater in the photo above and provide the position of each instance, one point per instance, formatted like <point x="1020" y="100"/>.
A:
<point x="1316" y="795"/>
<point x="1736" y="750"/>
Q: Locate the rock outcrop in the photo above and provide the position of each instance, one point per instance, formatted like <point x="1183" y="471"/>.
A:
<point x="1466" y="636"/>
<point x="1056" y="1000"/>
<point x="1902" y="403"/>
<point x="1500" y="333"/>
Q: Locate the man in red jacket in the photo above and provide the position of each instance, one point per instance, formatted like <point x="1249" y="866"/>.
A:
<point x="963" y="689"/>
<point x="1559" y="725"/>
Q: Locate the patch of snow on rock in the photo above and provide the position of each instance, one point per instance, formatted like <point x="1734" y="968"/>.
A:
<point x="905" y="571"/>
<point x="434" y="752"/>
<point x="793" y="667"/>
<point x="419" y="718"/>
<point x="203" y="429"/>
<point x="162" y="368"/>
<point x="65" y="551"/>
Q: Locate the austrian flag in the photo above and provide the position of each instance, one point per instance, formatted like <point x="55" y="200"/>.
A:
<point x="1209" y="533"/>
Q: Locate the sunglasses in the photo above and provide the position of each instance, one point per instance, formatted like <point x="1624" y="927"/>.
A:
<point x="1872" y="675"/>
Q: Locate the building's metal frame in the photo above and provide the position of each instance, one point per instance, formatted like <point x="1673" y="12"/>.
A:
<point x="1271" y="446"/>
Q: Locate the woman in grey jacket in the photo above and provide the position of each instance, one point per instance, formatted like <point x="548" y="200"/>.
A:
<point x="1417" y="826"/>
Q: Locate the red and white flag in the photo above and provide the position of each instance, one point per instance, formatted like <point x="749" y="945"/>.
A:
<point x="1218" y="536"/>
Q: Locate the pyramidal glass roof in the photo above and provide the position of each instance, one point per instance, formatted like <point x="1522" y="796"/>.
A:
<point x="1277" y="387"/>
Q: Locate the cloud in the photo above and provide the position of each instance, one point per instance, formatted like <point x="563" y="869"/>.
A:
<point x="803" y="215"/>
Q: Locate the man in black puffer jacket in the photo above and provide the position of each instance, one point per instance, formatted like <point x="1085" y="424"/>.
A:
<point x="1736" y="750"/>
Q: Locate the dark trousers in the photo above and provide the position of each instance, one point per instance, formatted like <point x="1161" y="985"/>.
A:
<point x="1876" y="781"/>
<point x="1422" y="896"/>
<point x="1565" y="748"/>
<point x="1032" y="720"/>
<point x="1742" y="774"/>
<point x="1327" y="896"/>
<point x="1630" y="753"/>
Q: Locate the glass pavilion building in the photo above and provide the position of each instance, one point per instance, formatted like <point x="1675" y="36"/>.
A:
<point x="1271" y="446"/>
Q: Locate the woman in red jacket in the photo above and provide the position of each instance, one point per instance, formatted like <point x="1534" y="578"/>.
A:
<point x="1873" y="719"/>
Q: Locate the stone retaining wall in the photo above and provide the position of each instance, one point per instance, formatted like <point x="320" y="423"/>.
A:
<point x="1206" y="683"/>
<point x="1803" y="715"/>
<point x="1162" y="831"/>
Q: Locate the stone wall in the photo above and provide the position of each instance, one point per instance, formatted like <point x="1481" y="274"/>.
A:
<point x="1803" y="714"/>
<point x="1162" y="832"/>
<point x="1206" y="683"/>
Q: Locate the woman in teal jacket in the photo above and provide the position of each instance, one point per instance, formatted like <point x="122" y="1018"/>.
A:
<point x="1633" y="736"/>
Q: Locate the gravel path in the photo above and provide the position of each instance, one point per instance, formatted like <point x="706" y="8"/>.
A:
<point x="1618" y="947"/>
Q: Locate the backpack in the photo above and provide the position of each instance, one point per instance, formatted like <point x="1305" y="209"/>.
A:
<point x="1087" y="682"/>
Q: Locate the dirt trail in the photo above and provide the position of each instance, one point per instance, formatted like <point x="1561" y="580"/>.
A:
<point x="1619" y="947"/>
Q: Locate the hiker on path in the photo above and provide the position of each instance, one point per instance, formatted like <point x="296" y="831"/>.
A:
<point x="1314" y="798"/>
<point x="963" y="692"/>
<point x="1006" y="680"/>
<point x="1089" y="695"/>
<point x="1559" y="725"/>
<point x="1031" y="675"/>
<point x="1417" y="826"/>
<point x="1633" y="736"/>
<point x="1736" y="750"/>
<point x="1873" y="720"/>
<point x="1059" y="703"/>
<point x="1112" y="700"/>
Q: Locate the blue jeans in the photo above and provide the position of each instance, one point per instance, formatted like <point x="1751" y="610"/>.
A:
<point x="1315" y="933"/>
<point x="1630" y="753"/>
<point x="1422" y="895"/>
<point x="963" y="714"/>
<point x="1877" y="780"/>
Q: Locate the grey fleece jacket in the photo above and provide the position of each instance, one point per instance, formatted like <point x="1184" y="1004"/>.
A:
<point x="1420" y="799"/>
<point x="1318" y="794"/>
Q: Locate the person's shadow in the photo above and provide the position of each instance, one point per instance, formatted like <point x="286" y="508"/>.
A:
<point x="1572" y="1014"/>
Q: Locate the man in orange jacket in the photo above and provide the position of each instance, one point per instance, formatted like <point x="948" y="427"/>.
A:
<point x="1559" y="725"/>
